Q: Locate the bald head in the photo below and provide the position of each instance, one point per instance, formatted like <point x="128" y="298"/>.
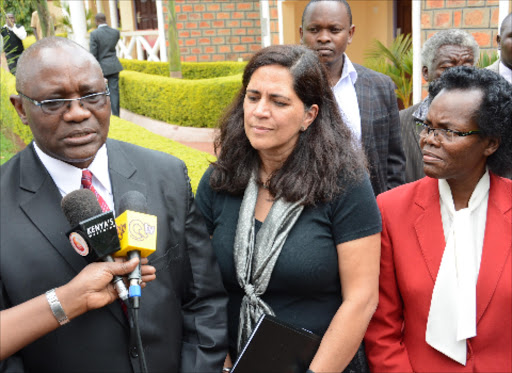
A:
<point x="30" y="60"/>
<point x="100" y="18"/>
<point x="506" y="24"/>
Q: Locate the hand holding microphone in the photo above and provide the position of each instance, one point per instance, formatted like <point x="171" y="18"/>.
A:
<point x="90" y="289"/>
<point x="94" y="233"/>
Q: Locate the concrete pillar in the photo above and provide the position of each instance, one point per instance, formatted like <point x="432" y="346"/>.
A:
<point x="77" y="15"/>
<point x="112" y="6"/>
<point x="416" y="47"/>
<point x="161" y="30"/>
<point x="265" y="23"/>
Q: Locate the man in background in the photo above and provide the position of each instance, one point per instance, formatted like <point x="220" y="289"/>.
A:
<point x="445" y="49"/>
<point x="366" y="99"/>
<point x="503" y="66"/>
<point x="103" y="46"/>
<point x="12" y="35"/>
<point x="55" y="15"/>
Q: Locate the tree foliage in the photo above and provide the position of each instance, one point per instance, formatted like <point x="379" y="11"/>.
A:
<point x="22" y="10"/>
<point x="395" y="62"/>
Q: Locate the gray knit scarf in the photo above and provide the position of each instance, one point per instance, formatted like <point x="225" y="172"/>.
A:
<point x="255" y="257"/>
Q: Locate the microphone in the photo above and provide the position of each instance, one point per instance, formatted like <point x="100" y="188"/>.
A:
<point x="94" y="233"/>
<point x="137" y="236"/>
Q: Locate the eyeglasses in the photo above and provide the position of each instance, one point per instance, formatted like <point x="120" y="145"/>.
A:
<point x="442" y="134"/>
<point x="94" y="101"/>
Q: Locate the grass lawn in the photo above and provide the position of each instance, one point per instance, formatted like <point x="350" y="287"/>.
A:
<point x="7" y="148"/>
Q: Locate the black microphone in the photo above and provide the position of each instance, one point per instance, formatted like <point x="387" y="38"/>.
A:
<point x="94" y="233"/>
<point x="137" y="236"/>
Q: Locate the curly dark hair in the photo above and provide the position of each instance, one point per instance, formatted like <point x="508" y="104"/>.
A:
<point x="493" y="117"/>
<point x="323" y="155"/>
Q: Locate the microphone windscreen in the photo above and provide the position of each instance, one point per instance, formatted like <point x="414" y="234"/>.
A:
<point x="80" y="205"/>
<point x="134" y="201"/>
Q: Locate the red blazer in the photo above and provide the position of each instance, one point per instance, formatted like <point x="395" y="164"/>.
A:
<point x="412" y="247"/>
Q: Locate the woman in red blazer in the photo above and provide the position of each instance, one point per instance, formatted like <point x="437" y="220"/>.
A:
<point x="445" y="301"/>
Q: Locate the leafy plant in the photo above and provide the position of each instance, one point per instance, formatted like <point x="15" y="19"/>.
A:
<point x="22" y="11"/>
<point x="395" y="62"/>
<point x="487" y="59"/>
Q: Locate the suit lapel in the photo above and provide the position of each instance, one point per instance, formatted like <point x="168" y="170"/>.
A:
<point x="363" y="93"/>
<point x="429" y="226"/>
<point x="497" y="243"/>
<point x="122" y="173"/>
<point x="43" y="207"/>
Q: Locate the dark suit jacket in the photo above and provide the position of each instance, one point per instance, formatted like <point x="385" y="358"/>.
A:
<point x="380" y="127"/>
<point x="182" y="315"/>
<point x="413" y="244"/>
<point x="103" y="46"/>
<point x="411" y="144"/>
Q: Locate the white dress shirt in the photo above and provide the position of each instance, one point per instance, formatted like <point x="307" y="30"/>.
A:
<point x="69" y="178"/>
<point x="20" y="32"/>
<point x="345" y="94"/>
<point x="505" y="72"/>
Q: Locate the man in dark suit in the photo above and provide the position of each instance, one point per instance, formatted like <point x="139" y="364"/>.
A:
<point x="446" y="49"/>
<point x="103" y="46"/>
<point x="183" y="312"/>
<point x="366" y="99"/>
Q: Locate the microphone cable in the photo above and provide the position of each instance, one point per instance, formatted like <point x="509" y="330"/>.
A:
<point x="135" y="335"/>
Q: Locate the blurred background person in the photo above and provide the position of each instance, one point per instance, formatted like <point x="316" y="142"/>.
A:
<point x="503" y="65"/>
<point x="446" y="270"/>
<point x="291" y="211"/>
<point x="12" y="36"/>
<point x="103" y="47"/>
<point x="445" y="49"/>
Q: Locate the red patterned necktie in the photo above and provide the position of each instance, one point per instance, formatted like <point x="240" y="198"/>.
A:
<point x="87" y="184"/>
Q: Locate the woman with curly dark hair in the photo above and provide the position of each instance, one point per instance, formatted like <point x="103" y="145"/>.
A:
<point x="446" y="272"/>
<point x="291" y="211"/>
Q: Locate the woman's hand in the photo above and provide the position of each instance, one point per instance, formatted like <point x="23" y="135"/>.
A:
<point x="92" y="288"/>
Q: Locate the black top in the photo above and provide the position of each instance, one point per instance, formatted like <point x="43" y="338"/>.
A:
<point x="305" y="288"/>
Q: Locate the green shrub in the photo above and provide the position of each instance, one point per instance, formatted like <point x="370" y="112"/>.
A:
<point x="31" y="39"/>
<point x="487" y="59"/>
<point x="189" y="70"/>
<point x="9" y="117"/>
<point x="197" y="162"/>
<point x="193" y="103"/>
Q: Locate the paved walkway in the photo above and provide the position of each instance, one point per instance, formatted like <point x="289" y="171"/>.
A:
<point x="197" y="138"/>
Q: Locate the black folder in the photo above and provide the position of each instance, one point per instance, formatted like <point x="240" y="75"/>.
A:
<point x="275" y="346"/>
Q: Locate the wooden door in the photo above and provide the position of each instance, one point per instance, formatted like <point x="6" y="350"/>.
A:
<point x="403" y="17"/>
<point x="145" y="15"/>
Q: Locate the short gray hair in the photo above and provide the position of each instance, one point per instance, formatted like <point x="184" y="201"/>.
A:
<point x="447" y="37"/>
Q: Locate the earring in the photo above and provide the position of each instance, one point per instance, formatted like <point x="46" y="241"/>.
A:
<point x="302" y="128"/>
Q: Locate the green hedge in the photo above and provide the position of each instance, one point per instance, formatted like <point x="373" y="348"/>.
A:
<point x="31" y="39"/>
<point x="189" y="70"/>
<point x="8" y="115"/>
<point x="193" y="103"/>
<point x="197" y="162"/>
